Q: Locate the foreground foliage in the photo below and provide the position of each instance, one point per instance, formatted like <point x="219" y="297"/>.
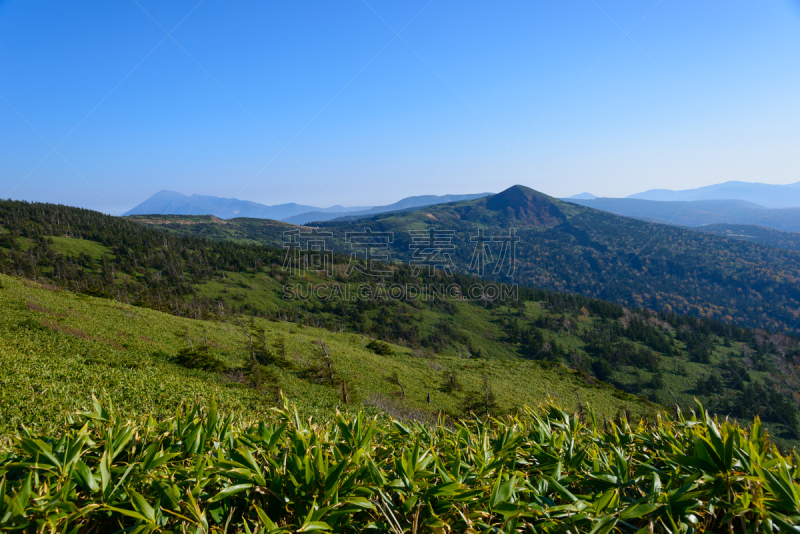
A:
<point x="544" y="471"/>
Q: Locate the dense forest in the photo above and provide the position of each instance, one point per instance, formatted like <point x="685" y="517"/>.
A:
<point x="755" y="234"/>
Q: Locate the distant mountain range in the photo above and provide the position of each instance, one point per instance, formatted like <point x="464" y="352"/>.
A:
<point x="699" y="212"/>
<point x="767" y="195"/>
<point x="735" y="203"/>
<point x="172" y="203"/>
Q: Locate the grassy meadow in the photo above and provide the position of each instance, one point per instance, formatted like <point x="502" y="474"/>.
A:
<point x="58" y="348"/>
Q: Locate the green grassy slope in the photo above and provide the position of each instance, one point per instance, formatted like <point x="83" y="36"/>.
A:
<point x="58" y="348"/>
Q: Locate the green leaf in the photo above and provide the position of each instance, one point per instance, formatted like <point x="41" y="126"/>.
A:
<point x="211" y="420"/>
<point x="639" y="510"/>
<point x="509" y="510"/>
<point x="728" y="457"/>
<point x="451" y="488"/>
<point x="38" y="448"/>
<point x="561" y="490"/>
<point x="230" y="490"/>
<point x="655" y="490"/>
<point x="169" y="492"/>
<point x="604" y="525"/>
<point x="164" y="458"/>
<point x="3" y="499"/>
<point x="20" y="502"/>
<point x="142" y="506"/>
<point x="605" y="499"/>
<point x="85" y="477"/>
<point x="361" y="502"/>
<point x="122" y="479"/>
<point x="265" y="518"/>
<point x="375" y="473"/>
<point x="504" y="492"/>
<point x="129" y="513"/>
<point x="785" y="523"/>
<point x="105" y="474"/>
<point x="314" y="526"/>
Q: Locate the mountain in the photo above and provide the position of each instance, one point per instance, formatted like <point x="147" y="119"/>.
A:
<point x="767" y="195"/>
<point x="404" y="204"/>
<point x="527" y="205"/>
<point x="698" y="213"/>
<point x="567" y="247"/>
<point x="172" y="203"/>
<point x="564" y="246"/>
<point x="246" y="327"/>
<point x="582" y="196"/>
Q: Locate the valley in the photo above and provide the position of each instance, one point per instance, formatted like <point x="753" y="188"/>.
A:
<point x="533" y="346"/>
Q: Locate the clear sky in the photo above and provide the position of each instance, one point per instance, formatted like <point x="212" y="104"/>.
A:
<point x="322" y="103"/>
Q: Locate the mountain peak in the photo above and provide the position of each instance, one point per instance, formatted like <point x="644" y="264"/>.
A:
<point x="527" y="205"/>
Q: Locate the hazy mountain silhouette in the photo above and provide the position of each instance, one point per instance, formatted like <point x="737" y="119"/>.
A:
<point x="173" y="203"/>
<point x="699" y="212"/>
<point x="404" y="204"/>
<point x="767" y="195"/>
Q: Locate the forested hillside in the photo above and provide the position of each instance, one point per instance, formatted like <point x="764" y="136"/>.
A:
<point x="661" y="357"/>
<point x="755" y="234"/>
<point x="566" y="247"/>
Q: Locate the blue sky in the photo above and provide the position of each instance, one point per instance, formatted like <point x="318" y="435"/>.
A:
<point x="471" y="97"/>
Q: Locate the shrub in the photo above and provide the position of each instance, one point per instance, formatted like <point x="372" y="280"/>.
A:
<point x="199" y="359"/>
<point x="450" y="383"/>
<point x="381" y="348"/>
<point x="602" y="370"/>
